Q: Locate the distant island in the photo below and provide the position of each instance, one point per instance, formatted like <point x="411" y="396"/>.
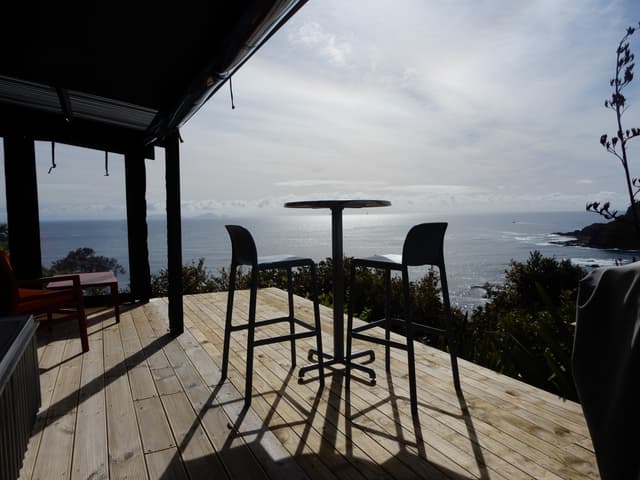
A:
<point x="619" y="233"/>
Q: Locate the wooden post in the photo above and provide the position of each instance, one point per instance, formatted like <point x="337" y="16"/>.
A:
<point x="137" y="232"/>
<point x="23" y="217"/>
<point x="174" y="233"/>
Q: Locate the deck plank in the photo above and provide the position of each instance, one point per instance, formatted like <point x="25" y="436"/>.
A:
<point x="126" y="459"/>
<point x="195" y="448"/>
<point x="54" y="460"/>
<point x="165" y="464"/>
<point x="154" y="429"/>
<point x="235" y="454"/>
<point x="90" y="454"/>
<point x="49" y="365"/>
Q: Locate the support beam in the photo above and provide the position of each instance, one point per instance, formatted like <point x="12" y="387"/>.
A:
<point x="137" y="232"/>
<point x="174" y="233"/>
<point x="23" y="217"/>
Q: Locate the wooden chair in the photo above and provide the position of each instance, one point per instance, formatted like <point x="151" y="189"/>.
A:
<point x="20" y="297"/>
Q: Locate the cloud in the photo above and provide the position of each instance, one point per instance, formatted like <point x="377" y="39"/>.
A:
<point x="314" y="37"/>
<point x="425" y="103"/>
<point x="318" y="182"/>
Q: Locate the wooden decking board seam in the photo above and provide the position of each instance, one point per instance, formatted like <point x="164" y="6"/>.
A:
<point x="275" y="312"/>
<point x="442" y="360"/>
<point x="132" y="455"/>
<point x="421" y="360"/>
<point x="473" y="371"/>
<point x="283" y="359"/>
<point x="187" y="339"/>
<point x="572" y="465"/>
<point x="196" y="412"/>
<point x="33" y="448"/>
<point x="57" y="412"/>
<point x="190" y="306"/>
<point x="264" y="314"/>
<point x="517" y="431"/>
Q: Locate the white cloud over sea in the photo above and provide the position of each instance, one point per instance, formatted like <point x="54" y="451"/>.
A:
<point x="435" y="106"/>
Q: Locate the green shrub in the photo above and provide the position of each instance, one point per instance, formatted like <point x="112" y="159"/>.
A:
<point x="525" y="330"/>
<point x="195" y="279"/>
<point x="84" y="260"/>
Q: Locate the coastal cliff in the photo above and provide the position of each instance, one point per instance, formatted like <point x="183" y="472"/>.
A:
<point x="619" y="233"/>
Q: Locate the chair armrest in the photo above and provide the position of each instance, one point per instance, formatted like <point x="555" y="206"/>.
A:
<point x="74" y="278"/>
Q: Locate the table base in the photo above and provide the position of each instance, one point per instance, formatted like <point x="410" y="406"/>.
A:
<point x="330" y="361"/>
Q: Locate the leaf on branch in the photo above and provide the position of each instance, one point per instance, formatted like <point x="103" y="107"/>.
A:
<point x="614" y="140"/>
<point x="628" y="75"/>
<point x="603" y="140"/>
<point x="630" y="30"/>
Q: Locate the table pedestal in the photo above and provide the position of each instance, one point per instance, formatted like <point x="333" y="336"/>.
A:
<point x="338" y="357"/>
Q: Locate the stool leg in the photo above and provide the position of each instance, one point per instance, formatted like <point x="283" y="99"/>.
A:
<point x="410" y="350"/>
<point x="292" y="329"/>
<point x="316" y="315"/>
<point x="82" y="323"/>
<point x="387" y="316"/>
<point x="251" y="330"/>
<point x="227" y="325"/>
<point x="352" y="296"/>
<point x="115" y="301"/>
<point x="451" y="335"/>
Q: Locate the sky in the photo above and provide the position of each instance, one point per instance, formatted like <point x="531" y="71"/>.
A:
<point x="436" y="106"/>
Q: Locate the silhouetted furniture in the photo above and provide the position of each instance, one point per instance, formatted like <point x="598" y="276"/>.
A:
<point x="244" y="252"/>
<point x="423" y="245"/>
<point x="29" y="297"/>
<point x="336" y="207"/>
<point x="93" y="280"/>
<point x="19" y="390"/>
<point x="606" y="366"/>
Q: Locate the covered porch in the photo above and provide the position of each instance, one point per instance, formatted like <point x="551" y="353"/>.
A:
<point x="145" y="404"/>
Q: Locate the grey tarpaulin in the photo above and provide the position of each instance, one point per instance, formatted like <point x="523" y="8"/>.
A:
<point x="606" y="366"/>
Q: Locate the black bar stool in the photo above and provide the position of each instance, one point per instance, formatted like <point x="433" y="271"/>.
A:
<point x="423" y="245"/>
<point x="244" y="253"/>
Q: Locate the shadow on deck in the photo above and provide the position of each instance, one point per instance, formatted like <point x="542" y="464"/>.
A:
<point x="144" y="404"/>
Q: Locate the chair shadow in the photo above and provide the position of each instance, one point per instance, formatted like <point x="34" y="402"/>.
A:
<point x="230" y="453"/>
<point x="405" y="455"/>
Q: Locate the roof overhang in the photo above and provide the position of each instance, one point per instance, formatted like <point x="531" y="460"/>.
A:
<point x="111" y="77"/>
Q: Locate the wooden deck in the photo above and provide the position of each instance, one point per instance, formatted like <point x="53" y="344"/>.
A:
<point x="141" y="404"/>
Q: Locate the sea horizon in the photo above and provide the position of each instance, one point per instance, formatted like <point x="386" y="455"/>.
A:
<point x="478" y="246"/>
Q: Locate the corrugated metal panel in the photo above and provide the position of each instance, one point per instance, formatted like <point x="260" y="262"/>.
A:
<point x="106" y="110"/>
<point x="90" y="107"/>
<point x="19" y="391"/>
<point x="29" y="94"/>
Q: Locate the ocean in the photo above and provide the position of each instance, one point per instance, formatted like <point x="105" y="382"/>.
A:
<point x="478" y="247"/>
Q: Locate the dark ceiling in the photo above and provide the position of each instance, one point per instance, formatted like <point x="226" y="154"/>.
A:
<point x="110" y="76"/>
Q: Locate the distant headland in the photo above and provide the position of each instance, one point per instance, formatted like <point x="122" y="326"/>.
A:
<point x="619" y="233"/>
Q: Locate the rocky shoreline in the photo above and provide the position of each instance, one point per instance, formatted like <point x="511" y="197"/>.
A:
<point x="619" y="234"/>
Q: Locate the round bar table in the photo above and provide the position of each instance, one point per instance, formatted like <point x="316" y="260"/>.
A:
<point x="336" y="207"/>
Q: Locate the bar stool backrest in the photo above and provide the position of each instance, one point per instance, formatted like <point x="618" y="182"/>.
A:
<point x="243" y="248"/>
<point x="424" y="245"/>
